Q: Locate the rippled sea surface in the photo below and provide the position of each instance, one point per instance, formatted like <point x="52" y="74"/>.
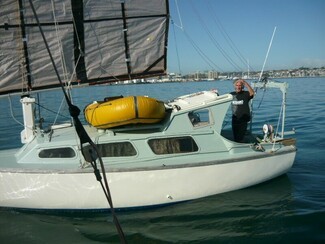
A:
<point x="288" y="209"/>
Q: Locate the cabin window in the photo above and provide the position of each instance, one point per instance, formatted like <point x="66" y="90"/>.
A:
<point x="199" y="117"/>
<point x="173" y="145"/>
<point x="63" y="152"/>
<point x="117" y="149"/>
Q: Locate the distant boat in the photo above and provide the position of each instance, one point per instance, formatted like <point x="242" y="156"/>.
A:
<point x="181" y="157"/>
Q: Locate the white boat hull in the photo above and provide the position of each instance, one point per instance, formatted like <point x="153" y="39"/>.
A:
<point x="137" y="188"/>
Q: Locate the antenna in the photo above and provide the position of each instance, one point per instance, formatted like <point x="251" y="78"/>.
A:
<point x="267" y="54"/>
<point x="261" y="74"/>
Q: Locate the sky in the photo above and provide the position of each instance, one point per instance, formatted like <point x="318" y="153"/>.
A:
<point x="232" y="35"/>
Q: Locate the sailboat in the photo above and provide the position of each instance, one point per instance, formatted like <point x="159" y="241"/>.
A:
<point x="180" y="157"/>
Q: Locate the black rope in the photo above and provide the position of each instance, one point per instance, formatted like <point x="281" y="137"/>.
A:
<point x="106" y="190"/>
<point x="83" y="136"/>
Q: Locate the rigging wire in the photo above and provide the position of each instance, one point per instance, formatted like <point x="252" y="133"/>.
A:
<point x="201" y="53"/>
<point x="83" y="136"/>
<point x="36" y="103"/>
<point x="224" y="33"/>
<point x="59" y="43"/>
<point x="12" y="112"/>
<point x="277" y="126"/>
<point x="176" y="47"/>
<point x="39" y="113"/>
<point x="52" y="111"/>
<point x="67" y="80"/>
<point x="205" y="58"/>
<point x="179" y="16"/>
<point x="214" y="40"/>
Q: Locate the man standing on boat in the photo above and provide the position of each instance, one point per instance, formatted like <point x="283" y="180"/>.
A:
<point x="240" y="108"/>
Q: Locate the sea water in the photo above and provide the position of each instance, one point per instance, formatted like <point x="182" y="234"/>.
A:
<point x="290" y="208"/>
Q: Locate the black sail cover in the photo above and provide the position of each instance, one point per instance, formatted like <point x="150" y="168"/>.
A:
<point x="91" y="41"/>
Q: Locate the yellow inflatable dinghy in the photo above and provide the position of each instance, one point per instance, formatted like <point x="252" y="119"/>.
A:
<point x="125" y="111"/>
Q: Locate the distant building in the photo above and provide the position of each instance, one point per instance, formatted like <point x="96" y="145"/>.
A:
<point x="212" y="75"/>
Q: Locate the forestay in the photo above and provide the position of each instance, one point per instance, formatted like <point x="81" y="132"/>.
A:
<point x="91" y="41"/>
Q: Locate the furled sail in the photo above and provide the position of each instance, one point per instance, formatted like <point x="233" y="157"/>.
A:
<point x="90" y="40"/>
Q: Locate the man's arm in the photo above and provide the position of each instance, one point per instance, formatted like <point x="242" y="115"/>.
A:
<point x="249" y="88"/>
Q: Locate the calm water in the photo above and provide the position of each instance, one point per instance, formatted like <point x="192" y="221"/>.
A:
<point x="288" y="209"/>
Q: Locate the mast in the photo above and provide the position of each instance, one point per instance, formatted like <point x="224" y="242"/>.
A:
<point x="79" y="39"/>
<point x="25" y="64"/>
